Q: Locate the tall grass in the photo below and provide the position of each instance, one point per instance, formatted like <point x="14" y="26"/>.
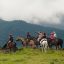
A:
<point x="32" y="56"/>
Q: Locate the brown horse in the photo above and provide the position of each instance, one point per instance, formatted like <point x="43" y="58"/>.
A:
<point x="26" y="42"/>
<point x="10" y="46"/>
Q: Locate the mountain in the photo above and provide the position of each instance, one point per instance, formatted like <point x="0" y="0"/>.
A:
<point x="20" y="27"/>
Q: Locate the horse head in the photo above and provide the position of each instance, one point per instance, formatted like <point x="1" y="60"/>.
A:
<point x="20" y="39"/>
<point x="17" y="39"/>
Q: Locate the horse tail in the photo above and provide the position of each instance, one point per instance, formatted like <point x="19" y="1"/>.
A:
<point x="60" y="42"/>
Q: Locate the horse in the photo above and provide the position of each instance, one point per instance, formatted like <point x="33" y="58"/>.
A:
<point x="44" y="44"/>
<point x="10" y="46"/>
<point x="57" y="42"/>
<point x="23" y="40"/>
<point x="27" y="42"/>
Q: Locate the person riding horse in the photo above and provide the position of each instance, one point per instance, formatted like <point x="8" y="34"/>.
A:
<point x="54" y="40"/>
<point x="44" y="35"/>
<point x="41" y="35"/>
<point x="28" y="35"/>
<point x="10" y="41"/>
<point x="11" y="37"/>
<point x="44" y="42"/>
<point x="53" y="36"/>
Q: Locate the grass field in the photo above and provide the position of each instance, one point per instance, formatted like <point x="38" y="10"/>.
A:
<point x="32" y="56"/>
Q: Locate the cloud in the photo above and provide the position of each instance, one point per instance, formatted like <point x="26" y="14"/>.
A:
<point x="33" y="11"/>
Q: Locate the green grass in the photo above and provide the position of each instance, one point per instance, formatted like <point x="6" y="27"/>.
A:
<point x="33" y="56"/>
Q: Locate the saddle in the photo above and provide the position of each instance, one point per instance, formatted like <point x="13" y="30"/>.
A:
<point x="53" y="40"/>
<point x="44" y="39"/>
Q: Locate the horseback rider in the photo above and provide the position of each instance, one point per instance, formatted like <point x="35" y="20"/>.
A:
<point x="44" y="35"/>
<point x="11" y="38"/>
<point x="40" y="35"/>
<point x="44" y="42"/>
<point x="44" y="38"/>
<point x="53" y="36"/>
<point x="10" y="41"/>
<point x="28" y="35"/>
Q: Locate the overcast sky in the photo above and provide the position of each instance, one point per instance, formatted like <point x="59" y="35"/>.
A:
<point x="33" y="11"/>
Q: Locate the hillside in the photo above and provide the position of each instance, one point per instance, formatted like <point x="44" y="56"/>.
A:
<point x="20" y="27"/>
<point x="33" y="56"/>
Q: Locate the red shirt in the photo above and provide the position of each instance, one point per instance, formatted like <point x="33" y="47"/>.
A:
<point x="52" y="36"/>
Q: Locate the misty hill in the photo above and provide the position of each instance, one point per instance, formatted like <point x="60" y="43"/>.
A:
<point x="20" y="27"/>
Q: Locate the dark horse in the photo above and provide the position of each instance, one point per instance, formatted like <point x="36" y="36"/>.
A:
<point x="11" y="46"/>
<point x="58" y="42"/>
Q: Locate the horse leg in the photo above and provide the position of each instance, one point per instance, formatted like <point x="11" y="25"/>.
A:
<point x="61" y="46"/>
<point x="42" y="47"/>
<point x="24" y="44"/>
<point x="37" y="45"/>
<point x="46" y="46"/>
<point x="50" y="46"/>
<point x="9" y="50"/>
<point x="57" y="47"/>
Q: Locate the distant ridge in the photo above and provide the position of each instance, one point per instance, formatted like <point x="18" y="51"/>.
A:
<point x="20" y="27"/>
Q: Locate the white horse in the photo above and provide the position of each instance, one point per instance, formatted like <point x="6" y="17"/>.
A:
<point x="44" y="44"/>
